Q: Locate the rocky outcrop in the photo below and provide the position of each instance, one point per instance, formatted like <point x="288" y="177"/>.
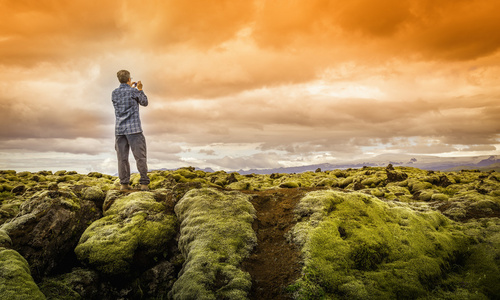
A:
<point x="216" y="235"/>
<point x="48" y="227"/>
<point x="133" y="233"/>
<point x="358" y="247"/>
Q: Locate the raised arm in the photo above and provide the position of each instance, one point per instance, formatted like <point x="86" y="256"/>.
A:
<point x="140" y="96"/>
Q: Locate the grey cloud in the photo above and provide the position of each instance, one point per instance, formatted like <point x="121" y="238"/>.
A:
<point x="282" y="123"/>
<point x="257" y="161"/>
<point x="479" y="148"/>
<point x="23" y="119"/>
<point x="207" y="152"/>
<point x="75" y="146"/>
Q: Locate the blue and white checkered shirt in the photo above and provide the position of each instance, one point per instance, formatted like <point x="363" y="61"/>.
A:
<point x="126" y="101"/>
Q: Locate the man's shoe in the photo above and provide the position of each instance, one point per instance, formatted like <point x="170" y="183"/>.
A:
<point x="144" y="187"/>
<point x="124" y="187"/>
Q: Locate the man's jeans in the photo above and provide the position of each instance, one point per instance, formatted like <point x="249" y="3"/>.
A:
<point x="137" y="143"/>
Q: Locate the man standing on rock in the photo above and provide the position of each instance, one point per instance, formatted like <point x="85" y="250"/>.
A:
<point x="128" y="131"/>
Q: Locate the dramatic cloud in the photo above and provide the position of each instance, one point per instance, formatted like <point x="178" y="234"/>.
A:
<point x="445" y="29"/>
<point x="250" y="84"/>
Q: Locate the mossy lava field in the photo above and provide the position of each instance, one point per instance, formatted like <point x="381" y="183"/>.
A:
<point x="369" y="233"/>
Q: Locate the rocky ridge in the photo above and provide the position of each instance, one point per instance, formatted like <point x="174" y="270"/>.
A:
<point x="367" y="233"/>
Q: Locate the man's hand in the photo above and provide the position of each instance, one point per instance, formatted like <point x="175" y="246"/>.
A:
<point x="139" y="85"/>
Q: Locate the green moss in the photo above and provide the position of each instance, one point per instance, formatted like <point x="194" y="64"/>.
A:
<point x="186" y="173"/>
<point x="4" y="239"/>
<point x="426" y="195"/>
<point x="344" y="183"/>
<point x="377" y="193"/>
<point x="372" y="181"/>
<point x="134" y="179"/>
<point x="470" y="196"/>
<point x="417" y="186"/>
<point x="328" y="182"/>
<point x="93" y="193"/>
<point x="134" y="222"/>
<point x="439" y="197"/>
<point x="12" y="178"/>
<point x="160" y="179"/>
<point x="15" y="277"/>
<point x="8" y="172"/>
<point x="216" y="235"/>
<point x="24" y="174"/>
<point x="354" y="243"/>
<point x="290" y="184"/>
<point x="134" y="203"/>
<point x="480" y="271"/>
<point x="394" y="191"/>
<point x="239" y="185"/>
<point x="6" y="195"/>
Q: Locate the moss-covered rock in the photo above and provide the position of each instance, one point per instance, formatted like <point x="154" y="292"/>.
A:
<point x="216" y="235"/>
<point x="439" y="197"/>
<point x="94" y="193"/>
<point x="135" y="228"/>
<point x="290" y="184"/>
<point x="52" y="221"/>
<point x="356" y="246"/>
<point x="5" y="240"/>
<point x="15" y="278"/>
<point x="9" y="206"/>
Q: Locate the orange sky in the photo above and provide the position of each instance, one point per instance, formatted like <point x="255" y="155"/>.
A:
<point x="249" y="84"/>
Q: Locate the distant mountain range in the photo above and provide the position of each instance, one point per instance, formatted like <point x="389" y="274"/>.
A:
<point x="483" y="163"/>
<point x="435" y="163"/>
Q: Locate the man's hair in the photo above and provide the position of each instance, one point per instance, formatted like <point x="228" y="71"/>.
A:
<point x="123" y="76"/>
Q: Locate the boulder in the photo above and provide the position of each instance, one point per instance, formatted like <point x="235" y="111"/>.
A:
<point x="15" y="278"/>
<point x="134" y="232"/>
<point x="47" y="228"/>
<point x="394" y="176"/>
<point x="94" y="194"/>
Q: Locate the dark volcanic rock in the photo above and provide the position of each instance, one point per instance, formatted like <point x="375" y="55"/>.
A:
<point x="443" y="181"/>
<point x="48" y="228"/>
<point x="78" y="284"/>
<point x="18" y="190"/>
<point x="231" y="178"/>
<point x="394" y="176"/>
<point x="358" y="186"/>
<point x="159" y="279"/>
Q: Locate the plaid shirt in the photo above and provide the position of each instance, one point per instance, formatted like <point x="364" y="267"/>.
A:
<point x="126" y="101"/>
